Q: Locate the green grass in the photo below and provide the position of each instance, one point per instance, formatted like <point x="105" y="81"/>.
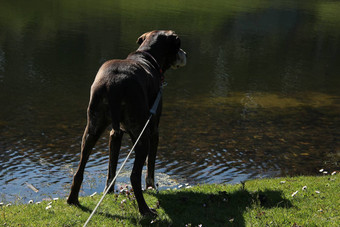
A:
<point x="255" y="203"/>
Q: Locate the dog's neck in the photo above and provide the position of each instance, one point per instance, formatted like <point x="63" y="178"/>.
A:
<point x="159" y="68"/>
<point x="159" y="58"/>
<point x="153" y="61"/>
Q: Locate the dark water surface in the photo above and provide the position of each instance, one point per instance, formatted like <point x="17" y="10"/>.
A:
<point x="259" y="97"/>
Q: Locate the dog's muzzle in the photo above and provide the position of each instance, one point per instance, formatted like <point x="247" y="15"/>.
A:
<point x="181" y="59"/>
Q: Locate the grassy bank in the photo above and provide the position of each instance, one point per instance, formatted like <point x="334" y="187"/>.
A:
<point x="297" y="201"/>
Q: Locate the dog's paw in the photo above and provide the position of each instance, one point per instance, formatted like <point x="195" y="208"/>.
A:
<point x="74" y="202"/>
<point x="150" y="183"/>
<point x="149" y="213"/>
<point x="111" y="191"/>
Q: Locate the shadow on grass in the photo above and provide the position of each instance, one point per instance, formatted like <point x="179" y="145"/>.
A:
<point x="222" y="209"/>
<point x="209" y="209"/>
<point x="105" y="214"/>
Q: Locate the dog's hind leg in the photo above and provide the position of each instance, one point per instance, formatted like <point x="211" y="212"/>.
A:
<point x="114" y="148"/>
<point x="150" y="173"/>
<point x="116" y="134"/>
<point x="96" y="124"/>
<point x="154" y="139"/>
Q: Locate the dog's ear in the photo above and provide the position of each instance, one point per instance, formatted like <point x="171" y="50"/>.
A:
<point x="141" y="38"/>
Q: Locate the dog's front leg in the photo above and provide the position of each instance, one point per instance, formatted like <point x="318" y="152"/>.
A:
<point x="141" y="153"/>
<point x="114" y="148"/>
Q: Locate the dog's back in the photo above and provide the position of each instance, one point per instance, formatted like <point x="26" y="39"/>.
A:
<point x="122" y="92"/>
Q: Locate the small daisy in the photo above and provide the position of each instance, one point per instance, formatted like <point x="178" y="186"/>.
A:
<point x="294" y="193"/>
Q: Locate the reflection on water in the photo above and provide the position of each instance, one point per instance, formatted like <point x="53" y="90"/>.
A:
<point x="260" y="135"/>
<point x="259" y="96"/>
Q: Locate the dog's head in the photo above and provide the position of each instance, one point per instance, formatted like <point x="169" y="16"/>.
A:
<point x="165" y="46"/>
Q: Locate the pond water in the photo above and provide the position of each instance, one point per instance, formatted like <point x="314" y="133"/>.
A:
<point x="259" y="96"/>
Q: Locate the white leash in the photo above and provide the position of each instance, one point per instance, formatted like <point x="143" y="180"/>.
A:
<point x="152" y="111"/>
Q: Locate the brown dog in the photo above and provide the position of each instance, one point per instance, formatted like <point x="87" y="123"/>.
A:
<point x="122" y="94"/>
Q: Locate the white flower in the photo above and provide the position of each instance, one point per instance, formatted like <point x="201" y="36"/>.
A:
<point x="283" y="182"/>
<point x="304" y="187"/>
<point x="333" y="173"/>
<point x="55" y="199"/>
<point x="317" y="192"/>
<point x="294" y="193"/>
<point x="48" y="207"/>
<point x="30" y="202"/>
<point x="321" y="170"/>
